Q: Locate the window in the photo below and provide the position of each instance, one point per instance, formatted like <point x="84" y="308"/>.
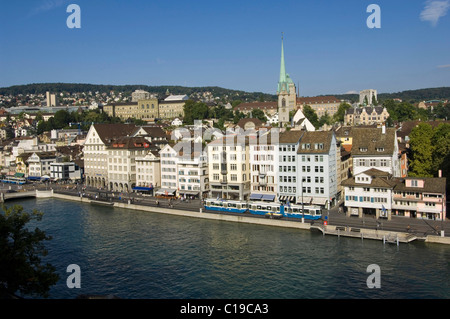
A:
<point x="414" y="183"/>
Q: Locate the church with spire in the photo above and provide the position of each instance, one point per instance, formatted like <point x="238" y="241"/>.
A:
<point x="286" y="91"/>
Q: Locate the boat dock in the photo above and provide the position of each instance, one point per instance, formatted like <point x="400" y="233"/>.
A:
<point x="389" y="237"/>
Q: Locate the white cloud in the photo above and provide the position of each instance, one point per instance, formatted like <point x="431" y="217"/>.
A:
<point x="434" y="10"/>
<point x="444" y="66"/>
<point x="46" y="5"/>
<point x="352" y="92"/>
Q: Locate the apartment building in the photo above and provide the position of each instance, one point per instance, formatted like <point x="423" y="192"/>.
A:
<point x="148" y="172"/>
<point x="264" y="166"/>
<point x="420" y="197"/>
<point x="39" y="164"/>
<point x="95" y="151"/>
<point x="192" y="167"/>
<point x="317" y="158"/>
<point x="288" y="167"/>
<point x="369" y="193"/>
<point x="121" y="154"/>
<point x="375" y="148"/>
<point x="378" y="193"/>
<point x="169" y="174"/>
<point x="229" y="166"/>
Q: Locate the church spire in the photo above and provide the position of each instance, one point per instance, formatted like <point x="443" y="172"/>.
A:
<point x="282" y="66"/>
<point x="282" y="79"/>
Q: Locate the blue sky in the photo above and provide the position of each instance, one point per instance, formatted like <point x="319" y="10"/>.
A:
<point x="232" y="44"/>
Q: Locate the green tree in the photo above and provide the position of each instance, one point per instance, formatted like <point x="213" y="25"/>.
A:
<point x="259" y="114"/>
<point x="311" y="115"/>
<point x="21" y="249"/>
<point x="339" y="116"/>
<point x="325" y="119"/>
<point x="238" y="115"/>
<point x="62" y="119"/>
<point x="441" y="149"/>
<point x="421" y="163"/>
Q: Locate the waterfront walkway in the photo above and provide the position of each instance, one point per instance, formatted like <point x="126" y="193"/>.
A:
<point x="396" y="230"/>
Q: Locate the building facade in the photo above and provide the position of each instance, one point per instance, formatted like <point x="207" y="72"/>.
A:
<point x="229" y="167"/>
<point x="375" y="148"/>
<point x="148" y="171"/>
<point x="264" y="166"/>
<point x="95" y="151"/>
<point x="367" y="115"/>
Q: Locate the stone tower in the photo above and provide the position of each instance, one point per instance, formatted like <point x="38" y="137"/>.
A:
<point x="286" y="92"/>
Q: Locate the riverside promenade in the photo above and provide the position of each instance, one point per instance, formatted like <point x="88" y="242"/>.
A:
<point x="395" y="231"/>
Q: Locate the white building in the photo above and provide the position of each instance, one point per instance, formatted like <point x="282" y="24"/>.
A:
<point x="39" y="164"/>
<point x="318" y="168"/>
<point x="148" y="172"/>
<point x="300" y="122"/>
<point x="229" y="167"/>
<point x="369" y="192"/>
<point x="307" y="167"/>
<point x="122" y="154"/>
<point x="264" y="166"/>
<point x="169" y="174"/>
<point x="65" y="171"/>
<point x="192" y="168"/>
<point x="375" y="148"/>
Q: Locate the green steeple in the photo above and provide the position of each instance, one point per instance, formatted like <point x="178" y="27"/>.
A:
<point x="283" y="82"/>
<point x="282" y="66"/>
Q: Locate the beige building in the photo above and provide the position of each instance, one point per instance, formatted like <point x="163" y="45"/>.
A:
<point x="123" y="111"/>
<point x="149" y="109"/>
<point x="148" y="171"/>
<point x="51" y="99"/>
<point x="229" y="167"/>
<point x="172" y="106"/>
<point x="122" y="154"/>
<point x="320" y="104"/>
<point x="367" y="115"/>
<point x="95" y="151"/>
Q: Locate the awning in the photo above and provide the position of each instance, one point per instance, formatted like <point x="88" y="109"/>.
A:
<point x="255" y="196"/>
<point x="165" y="191"/>
<point x="188" y="192"/>
<point x="34" y="178"/>
<point x="268" y="197"/>
<point x="138" y="188"/>
<point x="319" y="200"/>
<point x="19" y="175"/>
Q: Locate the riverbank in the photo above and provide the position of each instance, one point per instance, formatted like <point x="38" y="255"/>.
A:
<point x="386" y="236"/>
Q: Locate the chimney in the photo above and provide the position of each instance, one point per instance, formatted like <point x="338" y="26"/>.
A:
<point x="440" y="173"/>
<point x="383" y="128"/>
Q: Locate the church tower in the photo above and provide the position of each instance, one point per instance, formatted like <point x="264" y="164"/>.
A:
<point x="286" y="92"/>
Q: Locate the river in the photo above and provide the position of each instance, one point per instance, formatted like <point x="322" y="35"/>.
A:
<point x="142" y="255"/>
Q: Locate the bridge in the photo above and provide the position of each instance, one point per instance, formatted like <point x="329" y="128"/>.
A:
<point x="24" y="194"/>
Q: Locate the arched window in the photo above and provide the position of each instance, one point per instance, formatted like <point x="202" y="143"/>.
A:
<point x="283" y="102"/>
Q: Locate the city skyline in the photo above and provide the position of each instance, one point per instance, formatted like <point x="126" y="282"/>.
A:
<point x="329" y="49"/>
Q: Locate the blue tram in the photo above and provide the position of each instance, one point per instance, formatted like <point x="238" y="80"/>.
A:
<point x="273" y="210"/>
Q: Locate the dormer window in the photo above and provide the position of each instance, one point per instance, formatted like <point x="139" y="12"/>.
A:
<point x="380" y="149"/>
<point x="363" y="149"/>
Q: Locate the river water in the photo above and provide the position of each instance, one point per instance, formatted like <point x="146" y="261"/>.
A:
<point x="142" y="255"/>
